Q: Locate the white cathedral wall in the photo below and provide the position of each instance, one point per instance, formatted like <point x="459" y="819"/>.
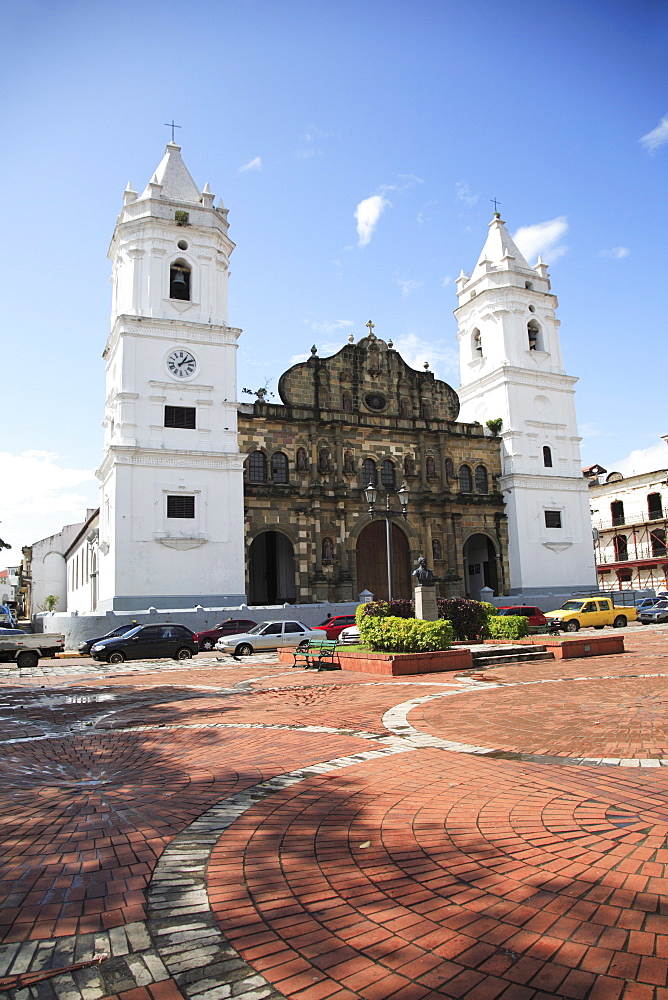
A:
<point x="155" y="558"/>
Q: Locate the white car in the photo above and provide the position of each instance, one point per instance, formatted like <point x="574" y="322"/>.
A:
<point x="349" y="636"/>
<point x="268" y="635"/>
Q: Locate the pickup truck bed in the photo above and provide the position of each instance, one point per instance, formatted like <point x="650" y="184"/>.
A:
<point x="25" y="649"/>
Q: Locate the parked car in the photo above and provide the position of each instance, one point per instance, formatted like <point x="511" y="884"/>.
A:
<point x="86" y="646"/>
<point x="268" y="635"/>
<point x="334" y="626"/>
<point x="647" y="602"/>
<point x="536" y="617"/>
<point x="231" y="626"/>
<point x="654" y="615"/>
<point x="349" y="636"/>
<point x="146" y="642"/>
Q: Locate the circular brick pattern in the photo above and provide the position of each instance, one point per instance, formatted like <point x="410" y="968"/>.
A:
<point x="460" y="883"/>
<point x="615" y="717"/>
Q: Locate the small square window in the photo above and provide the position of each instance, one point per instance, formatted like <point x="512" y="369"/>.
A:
<point x="552" y="518"/>
<point x="180" y="416"/>
<point x="180" y="506"/>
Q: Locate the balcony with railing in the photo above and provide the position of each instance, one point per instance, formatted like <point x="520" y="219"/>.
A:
<point x="631" y="516"/>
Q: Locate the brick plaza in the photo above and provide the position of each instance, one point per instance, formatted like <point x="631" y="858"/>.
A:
<point x="246" y="830"/>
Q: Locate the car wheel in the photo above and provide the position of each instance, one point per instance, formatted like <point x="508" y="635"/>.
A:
<point x="244" y="649"/>
<point x="27" y="658"/>
<point x="183" y="654"/>
<point x="116" y="657"/>
<point x="619" y="622"/>
<point x="207" y="644"/>
<point x="572" y="626"/>
<point x="303" y="644"/>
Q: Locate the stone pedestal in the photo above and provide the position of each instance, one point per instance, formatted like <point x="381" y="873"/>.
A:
<point x="425" y="604"/>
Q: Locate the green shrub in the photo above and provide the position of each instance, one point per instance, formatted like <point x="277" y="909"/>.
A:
<point x="508" y="627"/>
<point x="469" y="618"/>
<point x="400" y="608"/>
<point x="404" y="635"/>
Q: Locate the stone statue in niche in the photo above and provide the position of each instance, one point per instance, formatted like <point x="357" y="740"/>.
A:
<point x="348" y="463"/>
<point x="327" y="550"/>
<point x="409" y="465"/>
<point x="302" y="460"/>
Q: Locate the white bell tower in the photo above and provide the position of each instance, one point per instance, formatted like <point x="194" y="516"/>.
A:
<point x="511" y="367"/>
<point x="171" y="506"/>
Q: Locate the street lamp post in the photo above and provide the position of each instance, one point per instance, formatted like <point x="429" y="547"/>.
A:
<point x="371" y="494"/>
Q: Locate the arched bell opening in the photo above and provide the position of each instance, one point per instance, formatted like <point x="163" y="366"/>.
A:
<point x="179" y="280"/>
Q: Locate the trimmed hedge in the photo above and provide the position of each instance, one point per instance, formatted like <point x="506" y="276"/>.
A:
<point x="508" y="627"/>
<point x="404" y="635"/>
<point x="397" y="609"/>
<point x="468" y="618"/>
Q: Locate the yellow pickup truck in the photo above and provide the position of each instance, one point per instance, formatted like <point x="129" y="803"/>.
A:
<point x="590" y="612"/>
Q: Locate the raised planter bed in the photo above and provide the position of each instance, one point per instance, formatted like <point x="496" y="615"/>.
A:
<point x="571" y="649"/>
<point x="397" y="664"/>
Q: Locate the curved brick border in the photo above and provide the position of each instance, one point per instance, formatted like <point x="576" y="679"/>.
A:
<point x="180" y="938"/>
<point x="396" y="721"/>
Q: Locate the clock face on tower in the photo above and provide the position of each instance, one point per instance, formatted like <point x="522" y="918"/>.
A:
<point x="181" y="363"/>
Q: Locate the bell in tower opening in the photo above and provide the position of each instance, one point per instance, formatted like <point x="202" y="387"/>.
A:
<point x="179" y="281"/>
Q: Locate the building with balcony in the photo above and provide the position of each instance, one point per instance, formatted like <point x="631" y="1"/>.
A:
<point x="630" y="521"/>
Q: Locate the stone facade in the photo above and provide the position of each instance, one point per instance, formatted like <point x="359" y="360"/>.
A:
<point x="309" y="534"/>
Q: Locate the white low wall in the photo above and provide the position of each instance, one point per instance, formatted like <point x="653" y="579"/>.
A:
<point x="78" y="627"/>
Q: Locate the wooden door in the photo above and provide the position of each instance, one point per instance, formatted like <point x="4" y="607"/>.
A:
<point x="372" y="561"/>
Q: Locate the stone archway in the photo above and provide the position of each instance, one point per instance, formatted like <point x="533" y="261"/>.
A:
<point x="271" y="569"/>
<point x="479" y="565"/>
<point x="372" y="561"/>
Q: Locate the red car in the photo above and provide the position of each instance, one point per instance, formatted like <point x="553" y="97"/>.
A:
<point x="231" y="626"/>
<point x="536" y="617"/>
<point x="333" y="626"/>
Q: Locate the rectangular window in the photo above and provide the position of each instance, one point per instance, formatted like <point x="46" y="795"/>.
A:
<point x="180" y="506"/>
<point x="180" y="416"/>
<point x="552" y="518"/>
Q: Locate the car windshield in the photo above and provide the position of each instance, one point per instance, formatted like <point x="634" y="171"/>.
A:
<point x="571" y="606"/>
<point x="258" y="628"/>
<point x="134" y="631"/>
<point x="660" y="606"/>
<point x="326" y="622"/>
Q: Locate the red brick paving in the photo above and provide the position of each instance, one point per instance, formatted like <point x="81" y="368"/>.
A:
<point x="426" y="874"/>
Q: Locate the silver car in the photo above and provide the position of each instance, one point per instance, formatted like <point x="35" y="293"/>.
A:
<point x="268" y="635"/>
<point x="654" y="615"/>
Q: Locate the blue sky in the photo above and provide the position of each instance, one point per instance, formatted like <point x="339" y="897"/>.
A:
<point x="357" y="146"/>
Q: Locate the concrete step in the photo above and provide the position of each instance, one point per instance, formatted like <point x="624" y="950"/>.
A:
<point x="492" y="661"/>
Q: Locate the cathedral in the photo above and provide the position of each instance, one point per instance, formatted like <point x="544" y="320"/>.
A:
<point x="208" y="502"/>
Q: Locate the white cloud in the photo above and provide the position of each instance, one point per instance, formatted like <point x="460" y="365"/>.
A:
<point x="254" y="164"/>
<point x="543" y="238"/>
<point x="465" y="195"/>
<point x="641" y="460"/>
<point x="442" y="357"/>
<point x="329" y="326"/>
<point x="615" y="252"/>
<point x="657" y="137"/>
<point x="407" y="285"/>
<point x="446" y="280"/>
<point x="39" y="496"/>
<point x="368" y="213"/>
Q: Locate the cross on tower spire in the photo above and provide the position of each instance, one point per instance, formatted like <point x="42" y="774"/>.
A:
<point x="496" y="205"/>
<point x="172" y="126"/>
<point x="371" y="328"/>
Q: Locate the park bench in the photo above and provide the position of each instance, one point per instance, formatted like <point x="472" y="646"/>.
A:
<point x="318" y="653"/>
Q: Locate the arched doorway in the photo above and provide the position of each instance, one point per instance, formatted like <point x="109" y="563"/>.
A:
<point x="479" y="566"/>
<point x="271" y="569"/>
<point x="372" y="561"/>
